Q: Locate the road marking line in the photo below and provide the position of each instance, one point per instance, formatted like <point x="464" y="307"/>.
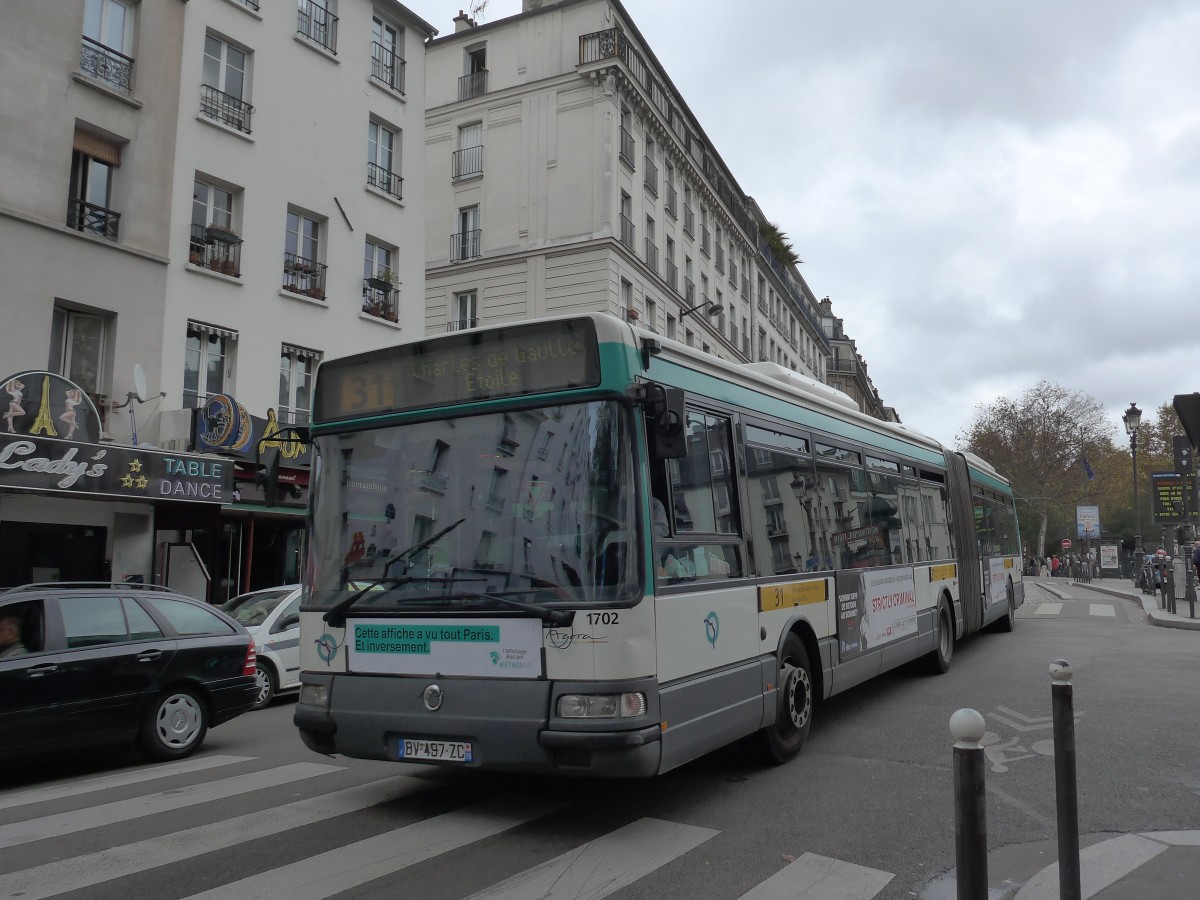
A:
<point x="813" y="877"/>
<point x="607" y="864"/>
<point x="1048" y="609"/>
<point x="355" y="864"/>
<point x="54" y="878"/>
<point x="117" y="779"/>
<point x="135" y="808"/>
<point x="1101" y="609"/>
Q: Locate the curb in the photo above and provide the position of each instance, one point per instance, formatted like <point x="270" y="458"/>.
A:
<point x="1149" y="605"/>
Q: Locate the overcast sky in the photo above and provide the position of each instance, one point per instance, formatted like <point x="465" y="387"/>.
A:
<point x="991" y="193"/>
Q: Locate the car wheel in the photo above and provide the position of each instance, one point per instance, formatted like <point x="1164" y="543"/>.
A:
<point x="175" y="724"/>
<point x="937" y="661"/>
<point x="264" y="679"/>
<point x="793" y="718"/>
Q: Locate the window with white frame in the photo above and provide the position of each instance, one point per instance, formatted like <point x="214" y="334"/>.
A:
<point x="208" y="362"/>
<point x="466" y="309"/>
<point x="297" y="367"/>
<point x="466" y="243"/>
<point x="214" y="241"/>
<point x="387" y="58"/>
<point x="77" y="343"/>
<point x="94" y="162"/>
<point x="224" y="90"/>
<point x="383" y="163"/>
<point x="107" y="52"/>
<point x="467" y="161"/>
<point x="317" y="21"/>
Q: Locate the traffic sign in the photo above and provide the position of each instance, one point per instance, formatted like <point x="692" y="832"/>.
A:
<point x="1066" y="543"/>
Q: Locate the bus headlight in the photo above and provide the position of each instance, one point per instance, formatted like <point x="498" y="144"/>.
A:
<point x="315" y="695"/>
<point x="601" y="706"/>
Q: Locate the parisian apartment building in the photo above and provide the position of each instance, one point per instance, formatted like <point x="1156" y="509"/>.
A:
<point x="565" y="172"/>
<point x="199" y="201"/>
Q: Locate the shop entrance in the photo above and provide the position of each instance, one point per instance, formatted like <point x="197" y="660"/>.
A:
<point x="37" y="551"/>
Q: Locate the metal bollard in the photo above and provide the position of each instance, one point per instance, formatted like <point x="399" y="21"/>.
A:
<point x="970" y="807"/>
<point x="1062" y="698"/>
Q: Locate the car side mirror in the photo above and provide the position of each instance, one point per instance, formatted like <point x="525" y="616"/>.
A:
<point x="665" y="419"/>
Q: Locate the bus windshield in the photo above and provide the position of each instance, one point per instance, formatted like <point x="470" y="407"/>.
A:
<point x="532" y="505"/>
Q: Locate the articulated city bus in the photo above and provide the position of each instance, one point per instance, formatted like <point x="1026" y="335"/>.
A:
<point x="572" y="546"/>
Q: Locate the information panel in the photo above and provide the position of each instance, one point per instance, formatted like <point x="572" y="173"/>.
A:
<point x="1170" y="493"/>
<point x="461" y="368"/>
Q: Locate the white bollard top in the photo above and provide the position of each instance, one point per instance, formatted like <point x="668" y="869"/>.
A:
<point x="967" y="727"/>
<point x="1061" y="671"/>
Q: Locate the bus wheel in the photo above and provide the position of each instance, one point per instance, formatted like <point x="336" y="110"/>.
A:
<point x="793" y="717"/>
<point x="1006" y="622"/>
<point x="937" y="662"/>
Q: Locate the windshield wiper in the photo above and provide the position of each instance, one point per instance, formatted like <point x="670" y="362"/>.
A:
<point x="547" y="615"/>
<point x="337" y="615"/>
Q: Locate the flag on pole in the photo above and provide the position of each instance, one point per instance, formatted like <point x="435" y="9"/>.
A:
<point x="1090" y="474"/>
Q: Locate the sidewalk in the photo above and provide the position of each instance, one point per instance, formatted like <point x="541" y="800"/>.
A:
<point x="1123" y="587"/>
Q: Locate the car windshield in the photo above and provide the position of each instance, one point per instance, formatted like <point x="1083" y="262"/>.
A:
<point x="253" y="609"/>
<point x="535" y="505"/>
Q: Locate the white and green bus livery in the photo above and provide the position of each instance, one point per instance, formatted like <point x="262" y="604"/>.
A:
<point x="572" y="546"/>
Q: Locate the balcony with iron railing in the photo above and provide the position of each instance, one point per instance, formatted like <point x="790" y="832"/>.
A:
<point x="380" y="300"/>
<point x="461" y="324"/>
<point x="689" y="291"/>
<point x="217" y="249"/>
<point x="671" y="205"/>
<point x="467" y="162"/>
<point x="626" y="231"/>
<point x="304" y="276"/>
<point x="105" y="64"/>
<point x="318" y="24"/>
<point x="627" y="150"/>
<point x="705" y="240"/>
<point x="466" y="245"/>
<point x="762" y="304"/>
<point x="651" y="175"/>
<point x="385" y="180"/>
<point x="386" y="67"/>
<point x="94" y="219"/>
<point x="720" y="260"/>
<point x="473" y="85"/>
<point x="689" y="221"/>
<point x="745" y="287"/>
<point x="733" y="273"/>
<point x="651" y="254"/>
<point x="671" y="273"/>
<point x="225" y="108"/>
<point x="433" y="482"/>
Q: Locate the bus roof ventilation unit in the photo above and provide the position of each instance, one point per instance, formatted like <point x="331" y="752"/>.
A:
<point x="803" y="383"/>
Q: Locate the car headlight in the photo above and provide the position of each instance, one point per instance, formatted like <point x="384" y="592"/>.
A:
<point x="601" y="706"/>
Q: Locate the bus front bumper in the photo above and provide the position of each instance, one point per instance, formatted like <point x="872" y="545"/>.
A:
<point x="506" y="724"/>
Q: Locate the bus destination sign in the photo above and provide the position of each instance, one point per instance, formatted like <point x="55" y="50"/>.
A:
<point x="462" y="368"/>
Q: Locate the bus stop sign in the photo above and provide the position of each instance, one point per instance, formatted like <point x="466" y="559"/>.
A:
<point x="1066" y="543"/>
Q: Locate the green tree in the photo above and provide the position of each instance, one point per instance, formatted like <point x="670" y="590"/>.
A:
<point x="779" y="243"/>
<point x="1038" y="442"/>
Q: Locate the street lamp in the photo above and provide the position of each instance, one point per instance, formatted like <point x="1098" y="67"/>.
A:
<point x="711" y="308"/>
<point x="1133" y="419"/>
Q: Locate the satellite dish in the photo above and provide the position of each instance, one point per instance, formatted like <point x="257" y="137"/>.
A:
<point x="139" y="382"/>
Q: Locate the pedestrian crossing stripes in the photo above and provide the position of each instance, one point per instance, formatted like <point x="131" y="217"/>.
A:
<point x="1049" y="608"/>
<point x="135" y="808"/>
<point x="595" y="869"/>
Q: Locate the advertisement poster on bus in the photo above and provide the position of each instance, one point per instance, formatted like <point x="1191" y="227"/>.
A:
<point x="996" y="590"/>
<point x="495" y="648"/>
<point x="874" y="607"/>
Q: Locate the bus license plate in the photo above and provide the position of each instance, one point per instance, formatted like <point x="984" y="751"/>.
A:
<point x="441" y="751"/>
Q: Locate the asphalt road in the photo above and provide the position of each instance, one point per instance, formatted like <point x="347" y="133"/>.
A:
<point x="866" y="811"/>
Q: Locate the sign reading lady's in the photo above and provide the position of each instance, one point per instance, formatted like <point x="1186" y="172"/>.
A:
<point x="42" y="404"/>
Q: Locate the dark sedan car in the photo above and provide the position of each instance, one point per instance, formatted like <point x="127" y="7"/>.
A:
<point x="110" y="663"/>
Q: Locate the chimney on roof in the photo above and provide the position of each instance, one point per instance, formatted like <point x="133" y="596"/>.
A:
<point x="462" y="22"/>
